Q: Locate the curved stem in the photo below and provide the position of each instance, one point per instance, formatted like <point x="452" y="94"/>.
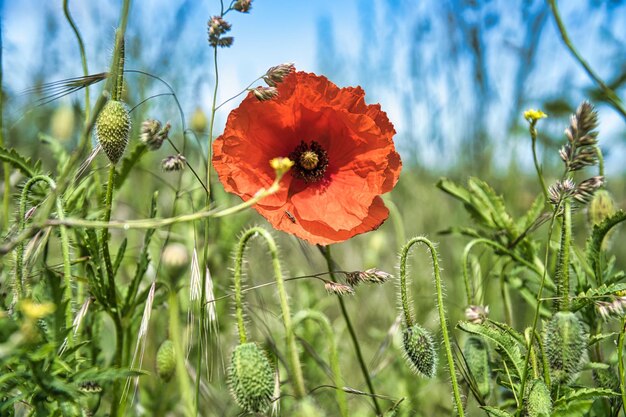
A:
<point x="284" y="303"/>
<point x="83" y="56"/>
<point x="355" y="341"/>
<point x="326" y="327"/>
<point x="611" y="96"/>
<point x="440" y="309"/>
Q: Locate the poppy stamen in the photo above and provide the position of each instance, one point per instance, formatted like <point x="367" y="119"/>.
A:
<point x="311" y="161"/>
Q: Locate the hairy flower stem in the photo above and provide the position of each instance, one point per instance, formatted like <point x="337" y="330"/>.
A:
<point x="292" y="351"/>
<point x="65" y="249"/>
<point x="326" y="327"/>
<point x="620" y="364"/>
<point x="533" y="135"/>
<point x="181" y="371"/>
<point x="440" y="308"/>
<point x="562" y="272"/>
<point x="357" y="347"/>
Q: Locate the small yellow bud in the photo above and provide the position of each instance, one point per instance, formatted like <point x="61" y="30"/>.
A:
<point x="532" y="115"/>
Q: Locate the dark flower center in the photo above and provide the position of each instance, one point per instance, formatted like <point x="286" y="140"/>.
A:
<point x="311" y="161"/>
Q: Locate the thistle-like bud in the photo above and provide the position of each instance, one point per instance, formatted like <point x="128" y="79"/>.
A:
<point x="476" y="356"/>
<point x="173" y="163"/>
<point x="419" y="350"/>
<point x="199" y="121"/>
<point x="277" y="74"/>
<point x="112" y="129"/>
<point x="476" y="314"/>
<point x="339" y="289"/>
<point x="537" y="402"/>
<point x="242" y="6"/>
<point x="175" y="260"/>
<point x="251" y="378"/>
<point x="565" y="344"/>
<point x="264" y="93"/>
<point x="166" y="360"/>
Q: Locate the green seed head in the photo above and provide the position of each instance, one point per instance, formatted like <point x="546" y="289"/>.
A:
<point x="251" y="378"/>
<point x="477" y="358"/>
<point x="419" y="350"/>
<point x="565" y="344"/>
<point x="112" y="129"/>
<point x="166" y="360"/>
<point x="600" y="207"/>
<point x="538" y="402"/>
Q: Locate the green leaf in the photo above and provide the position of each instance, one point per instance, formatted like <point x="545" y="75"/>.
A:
<point x="573" y="409"/>
<point x="489" y="206"/>
<point x="594" y="294"/>
<point x="496" y="412"/>
<point x="528" y="220"/>
<point x="120" y="256"/>
<point x="454" y="190"/>
<point x="25" y="165"/>
<point x="593" y="248"/>
<point x="583" y="394"/>
<point x="506" y="345"/>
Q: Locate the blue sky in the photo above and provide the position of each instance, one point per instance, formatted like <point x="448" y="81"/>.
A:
<point x="399" y="50"/>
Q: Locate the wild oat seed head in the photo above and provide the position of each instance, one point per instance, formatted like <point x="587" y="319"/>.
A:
<point x="251" y="378"/>
<point x="173" y="163"/>
<point x="565" y="345"/>
<point x="242" y="6"/>
<point x="582" y="138"/>
<point x="420" y="350"/>
<point x="149" y="134"/>
<point x="112" y="129"/>
<point x="372" y="276"/>
<point x="537" y="402"/>
<point x="586" y="189"/>
<point x="217" y="26"/>
<point x="264" y="93"/>
<point x="277" y="74"/>
<point x="339" y="289"/>
<point x="166" y="360"/>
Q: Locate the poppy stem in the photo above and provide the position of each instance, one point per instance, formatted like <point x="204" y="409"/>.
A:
<point x="292" y="351"/>
<point x="440" y="309"/>
<point x="357" y="348"/>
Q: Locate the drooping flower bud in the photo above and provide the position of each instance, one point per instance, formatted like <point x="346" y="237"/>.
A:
<point x="420" y="350"/>
<point x="537" y="402"/>
<point x="565" y="346"/>
<point x="113" y="129"/>
<point x="251" y="378"/>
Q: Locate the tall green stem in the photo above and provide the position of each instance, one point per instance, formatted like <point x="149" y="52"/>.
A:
<point x="181" y="371"/>
<point x="292" y="351"/>
<point x="355" y="341"/>
<point x="562" y="273"/>
<point x="5" y="166"/>
<point x="440" y="308"/>
<point x="326" y="327"/>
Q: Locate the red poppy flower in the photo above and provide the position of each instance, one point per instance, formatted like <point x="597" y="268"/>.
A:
<point x="343" y="152"/>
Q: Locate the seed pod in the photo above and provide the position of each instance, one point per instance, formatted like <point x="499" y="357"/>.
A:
<point x="166" y="360"/>
<point x="112" y="129"/>
<point x="477" y="358"/>
<point x="565" y="346"/>
<point x="250" y="378"/>
<point x="538" y="402"/>
<point x="419" y="350"/>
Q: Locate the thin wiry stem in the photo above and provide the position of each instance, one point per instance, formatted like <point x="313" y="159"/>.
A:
<point x="440" y="308"/>
<point x="533" y="135"/>
<point x="562" y="275"/>
<point x="611" y="96"/>
<point x="5" y="166"/>
<point x="296" y="369"/>
<point x="83" y="56"/>
<point x="620" y="364"/>
<point x="355" y="341"/>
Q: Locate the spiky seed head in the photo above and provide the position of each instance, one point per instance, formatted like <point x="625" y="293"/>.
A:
<point x="175" y="259"/>
<point x="251" y="378"/>
<point x="537" y="402"/>
<point x="419" y="350"/>
<point x="565" y="344"/>
<point x="113" y="129"/>
<point x="476" y="356"/>
<point x="199" y="122"/>
<point x="166" y="360"/>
